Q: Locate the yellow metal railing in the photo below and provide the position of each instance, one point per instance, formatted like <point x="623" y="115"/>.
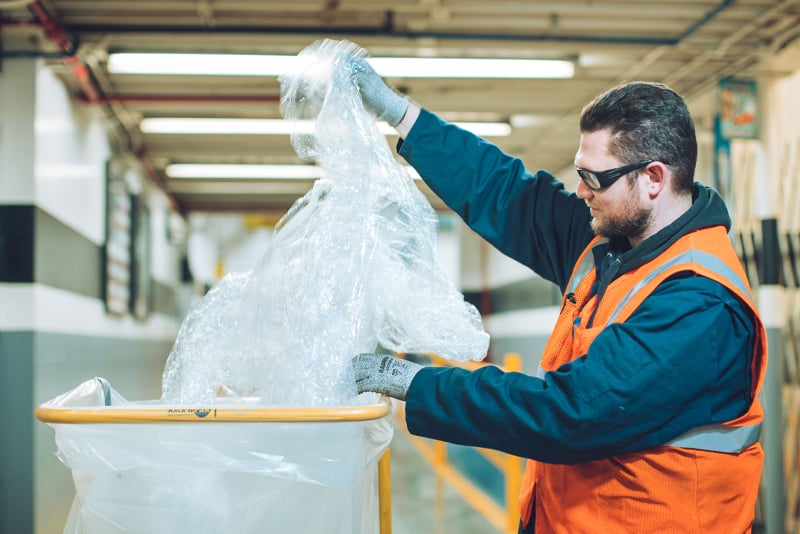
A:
<point x="211" y="414"/>
<point x="504" y="518"/>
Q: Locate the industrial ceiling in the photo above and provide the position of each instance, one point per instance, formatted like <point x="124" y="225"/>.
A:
<point x="687" y="44"/>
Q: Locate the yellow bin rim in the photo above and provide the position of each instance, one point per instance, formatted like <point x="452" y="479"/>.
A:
<point x="209" y="414"/>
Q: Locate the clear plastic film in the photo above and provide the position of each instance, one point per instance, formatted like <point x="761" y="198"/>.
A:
<point x="351" y="266"/>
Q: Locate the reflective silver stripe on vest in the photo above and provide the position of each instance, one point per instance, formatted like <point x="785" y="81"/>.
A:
<point x="718" y="438"/>
<point x="585" y="267"/>
<point x="705" y="259"/>
<point x="714" y="438"/>
<point x="540" y="372"/>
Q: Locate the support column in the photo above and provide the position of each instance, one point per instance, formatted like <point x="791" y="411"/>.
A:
<point x="17" y="109"/>
<point x="771" y="304"/>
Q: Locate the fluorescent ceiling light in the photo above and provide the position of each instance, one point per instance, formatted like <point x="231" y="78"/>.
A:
<point x="223" y="126"/>
<point x="393" y="67"/>
<point x="197" y="125"/>
<point x="439" y="67"/>
<point x="530" y="120"/>
<point x="243" y="171"/>
<point x="250" y="187"/>
<point x="199" y="64"/>
<point x="202" y="171"/>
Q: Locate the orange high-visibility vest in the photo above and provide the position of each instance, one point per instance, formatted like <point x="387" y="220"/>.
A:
<point x="705" y="481"/>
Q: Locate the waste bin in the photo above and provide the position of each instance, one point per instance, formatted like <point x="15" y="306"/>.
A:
<point x="143" y="467"/>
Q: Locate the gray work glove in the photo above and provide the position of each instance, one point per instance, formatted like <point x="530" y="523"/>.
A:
<point x="385" y="374"/>
<point x="378" y="97"/>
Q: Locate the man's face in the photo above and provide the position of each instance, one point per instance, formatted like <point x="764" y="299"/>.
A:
<point x="618" y="211"/>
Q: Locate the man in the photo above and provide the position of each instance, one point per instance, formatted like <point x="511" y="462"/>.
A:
<point x="645" y="415"/>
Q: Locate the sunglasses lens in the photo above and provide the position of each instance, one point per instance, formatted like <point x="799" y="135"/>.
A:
<point x="589" y="179"/>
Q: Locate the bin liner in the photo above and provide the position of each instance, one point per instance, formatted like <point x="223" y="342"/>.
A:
<point x="208" y="477"/>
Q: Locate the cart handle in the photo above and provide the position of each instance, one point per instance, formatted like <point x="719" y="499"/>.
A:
<point x="210" y="414"/>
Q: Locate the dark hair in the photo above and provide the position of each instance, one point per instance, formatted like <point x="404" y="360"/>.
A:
<point x="646" y="121"/>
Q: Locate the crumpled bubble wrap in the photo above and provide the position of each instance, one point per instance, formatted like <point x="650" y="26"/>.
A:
<point x="351" y="266"/>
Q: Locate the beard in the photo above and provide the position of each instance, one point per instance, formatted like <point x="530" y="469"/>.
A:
<point x="632" y="222"/>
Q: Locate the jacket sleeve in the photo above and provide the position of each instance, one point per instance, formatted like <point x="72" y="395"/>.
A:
<point x="639" y="386"/>
<point x="529" y="217"/>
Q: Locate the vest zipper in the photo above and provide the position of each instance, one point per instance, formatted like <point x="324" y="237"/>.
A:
<point x="569" y="297"/>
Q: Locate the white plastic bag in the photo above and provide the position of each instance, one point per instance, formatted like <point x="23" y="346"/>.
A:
<point x="208" y="477"/>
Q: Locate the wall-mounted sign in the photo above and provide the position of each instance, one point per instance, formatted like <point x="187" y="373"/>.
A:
<point x="127" y="285"/>
<point x="738" y="109"/>
<point x="117" y="265"/>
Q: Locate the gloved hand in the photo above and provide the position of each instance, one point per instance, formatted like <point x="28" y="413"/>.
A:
<point x="385" y="374"/>
<point x="378" y="97"/>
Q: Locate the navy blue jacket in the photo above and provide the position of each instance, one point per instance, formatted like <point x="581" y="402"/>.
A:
<point x="681" y="360"/>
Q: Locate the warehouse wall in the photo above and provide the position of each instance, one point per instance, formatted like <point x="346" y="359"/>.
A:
<point x="54" y="329"/>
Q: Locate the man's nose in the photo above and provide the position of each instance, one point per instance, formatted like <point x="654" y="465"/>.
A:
<point x="583" y="191"/>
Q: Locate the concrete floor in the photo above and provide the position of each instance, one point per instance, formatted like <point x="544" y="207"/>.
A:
<point x="414" y="503"/>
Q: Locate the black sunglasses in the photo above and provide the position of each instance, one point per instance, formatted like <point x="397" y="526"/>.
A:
<point x="602" y="179"/>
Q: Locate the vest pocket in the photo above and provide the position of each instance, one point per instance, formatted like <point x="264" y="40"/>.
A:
<point x="591" y="384"/>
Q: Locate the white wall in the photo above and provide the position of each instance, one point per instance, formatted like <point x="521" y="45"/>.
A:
<point x="17" y="101"/>
<point x="778" y="153"/>
<point x="71" y="148"/>
<point x="53" y="324"/>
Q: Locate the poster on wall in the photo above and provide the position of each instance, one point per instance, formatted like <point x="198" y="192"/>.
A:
<point x="738" y="109"/>
<point x="117" y="257"/>
<point x="127" y="282"/>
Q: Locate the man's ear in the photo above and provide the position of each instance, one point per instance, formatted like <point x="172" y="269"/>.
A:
<point x="657" y="177"/>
